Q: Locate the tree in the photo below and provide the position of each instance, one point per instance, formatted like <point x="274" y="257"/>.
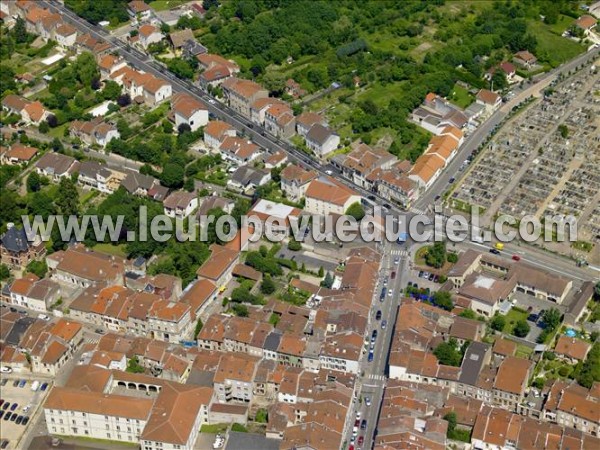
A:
<point x="321" y="272"/>
<point x="172" y="176"/>
<point x="165" y="28"/>
<point x="134" y="366"/>
<point x="267" y="286"/>
<point x="86" y="69"/>
<point x="521" y="328"/>
<point x="597" y="291"/>
<point x="4" y="272"/>
<point x="274" y="82"/>
<point x="111" y="91"/>
<point x="207" y="4"/>
<point x="198" y="328"/>
<point x="20" y="31"/>
<point x="436" y="255"/>
<point x="52" y="121"/>
<point x="34" y="182"/>
<point x="356" y="210"/>
<point x="294" y="245"/>
<point x="443" y="299"/>
<point x="38" y="268"/>
<point x="240" y="310"/>
<point x="261" y="416"/>
<point x="327" y="281"/>
<point x="184" y="128"/>
<point x="448" y="354"/>
<point x="123" y="100"/>
<point x="451" y="419"/>
<point x="44" y="127"/>
<point x="564" y="131"/>
<point x="498" y="322"/>
<point x="551" y="318"/>
<point x="590" y="369"/>
<point x="499" y="81"/>
<point x="67" y="197"/>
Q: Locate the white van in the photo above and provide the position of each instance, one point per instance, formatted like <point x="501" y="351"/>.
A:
<point x="35" y="385"/>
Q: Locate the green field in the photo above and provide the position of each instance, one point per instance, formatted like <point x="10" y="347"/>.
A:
<point x="110" y="249"/>
<point x="163" y="5"/>
<point x="555" y="48"/>
<point x="513" y="316"/>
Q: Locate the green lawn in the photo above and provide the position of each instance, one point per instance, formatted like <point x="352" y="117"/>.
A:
<point x="460" y="97"/>
<point x="563" y="23"/>
<point x="553" y="46"/>
<point x="215" y="428"/>
<point x="110" y="249"/>
<point x="163" y="5"/>
<point x="513" y="316"/>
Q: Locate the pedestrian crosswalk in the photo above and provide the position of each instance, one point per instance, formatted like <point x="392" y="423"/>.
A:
<point x="399" y="252"/>
<point x="373" y="376"/>
<point x="418" y="211"/>
<point x="92" y="340"/>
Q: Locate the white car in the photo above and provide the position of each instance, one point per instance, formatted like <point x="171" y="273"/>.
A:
<point x="329" y="172"/>
<point x="5" y="369"/>
<point x="368" y="401"/>
<point x="44" y="317"/>
<point x="211" y="101"/>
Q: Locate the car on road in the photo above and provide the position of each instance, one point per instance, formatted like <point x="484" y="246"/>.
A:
<point x="7" y="416"/>
<point x="99" y="331"/>
<point x="373" y="335"/>
<point x="387" y="206"/>
<point x="16" y="383"/>
<point x="385" y="281"/>
<point x="211" y="101"/>
<point x="383" y="324"/>
<point x="329" y="172"/>
<point x="451" y="180"/>
<point x="370" y="358"/>
<point x="516" y="257"/>
<point x="396" y="260"/>
<point x="391" y="292"/>
<point x="371" y="197"/>
<point x="3" y="382"/>
<point x="393" y="275"/>
<point x="44" y="386"/>
<point x="494" y="251"/>
<point x="368" y="401"/>
<point x="363" y="424"/>
<point x="437" y="197"/>
<point x="378" y="315"/>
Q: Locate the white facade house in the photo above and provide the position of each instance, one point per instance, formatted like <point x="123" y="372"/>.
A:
<point x="180" y="204"/>
<point x="322" y="140"/>
<point x="187" y="110"/>
<point x="327" y="196"/>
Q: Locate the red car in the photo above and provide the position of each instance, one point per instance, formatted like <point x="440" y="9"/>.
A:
<point x="361" y="440"/>
<point x="516" y="257"/>
<point x="393" y="274"/>
<point x="351" y="447"/>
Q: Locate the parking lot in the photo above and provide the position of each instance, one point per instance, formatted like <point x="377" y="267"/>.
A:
<point x="19" y="404"/>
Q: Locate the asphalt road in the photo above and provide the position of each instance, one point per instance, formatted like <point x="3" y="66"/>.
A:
<point x="373" y="374"/>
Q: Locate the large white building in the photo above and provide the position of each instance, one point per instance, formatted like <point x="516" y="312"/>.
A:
<point x="327" y="196"/>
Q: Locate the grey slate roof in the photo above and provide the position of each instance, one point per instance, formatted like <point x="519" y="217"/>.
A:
<point x="15" y="240"/>
<point x="473" y="362"/>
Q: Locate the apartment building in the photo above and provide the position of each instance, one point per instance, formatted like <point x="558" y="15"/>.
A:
<point x="326" y="196"/>
<point x="240" y="94"/>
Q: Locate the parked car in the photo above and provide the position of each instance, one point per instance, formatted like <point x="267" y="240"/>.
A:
<point x="25" y="420"/>
<point x="5" y="369"/>
<point x="7" y="416"/>
<point x="6" y="405"/>
<point x="370" y="358"/>
<point x="1" y="401"/>
<point x="420" y="273"/>
<point x="3" y="382"/>
<point x="19" y="420"/>
<point x="14" y="406"/>
<point x="16" y="383"/>
<point x="1" y="413"/>
<point x="22" y="383"/>
<point x="14" y="417"/>
<point x="516" y="257"/>
<point x="374" y="335"/>
<point x="4" y="443"/>
<point x="44" y="386"/>
<point x="378" y="315"/>
<point x="393" y="274"/>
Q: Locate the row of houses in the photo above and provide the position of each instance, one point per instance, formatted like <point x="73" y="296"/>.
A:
<point x="490" y="374"/>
